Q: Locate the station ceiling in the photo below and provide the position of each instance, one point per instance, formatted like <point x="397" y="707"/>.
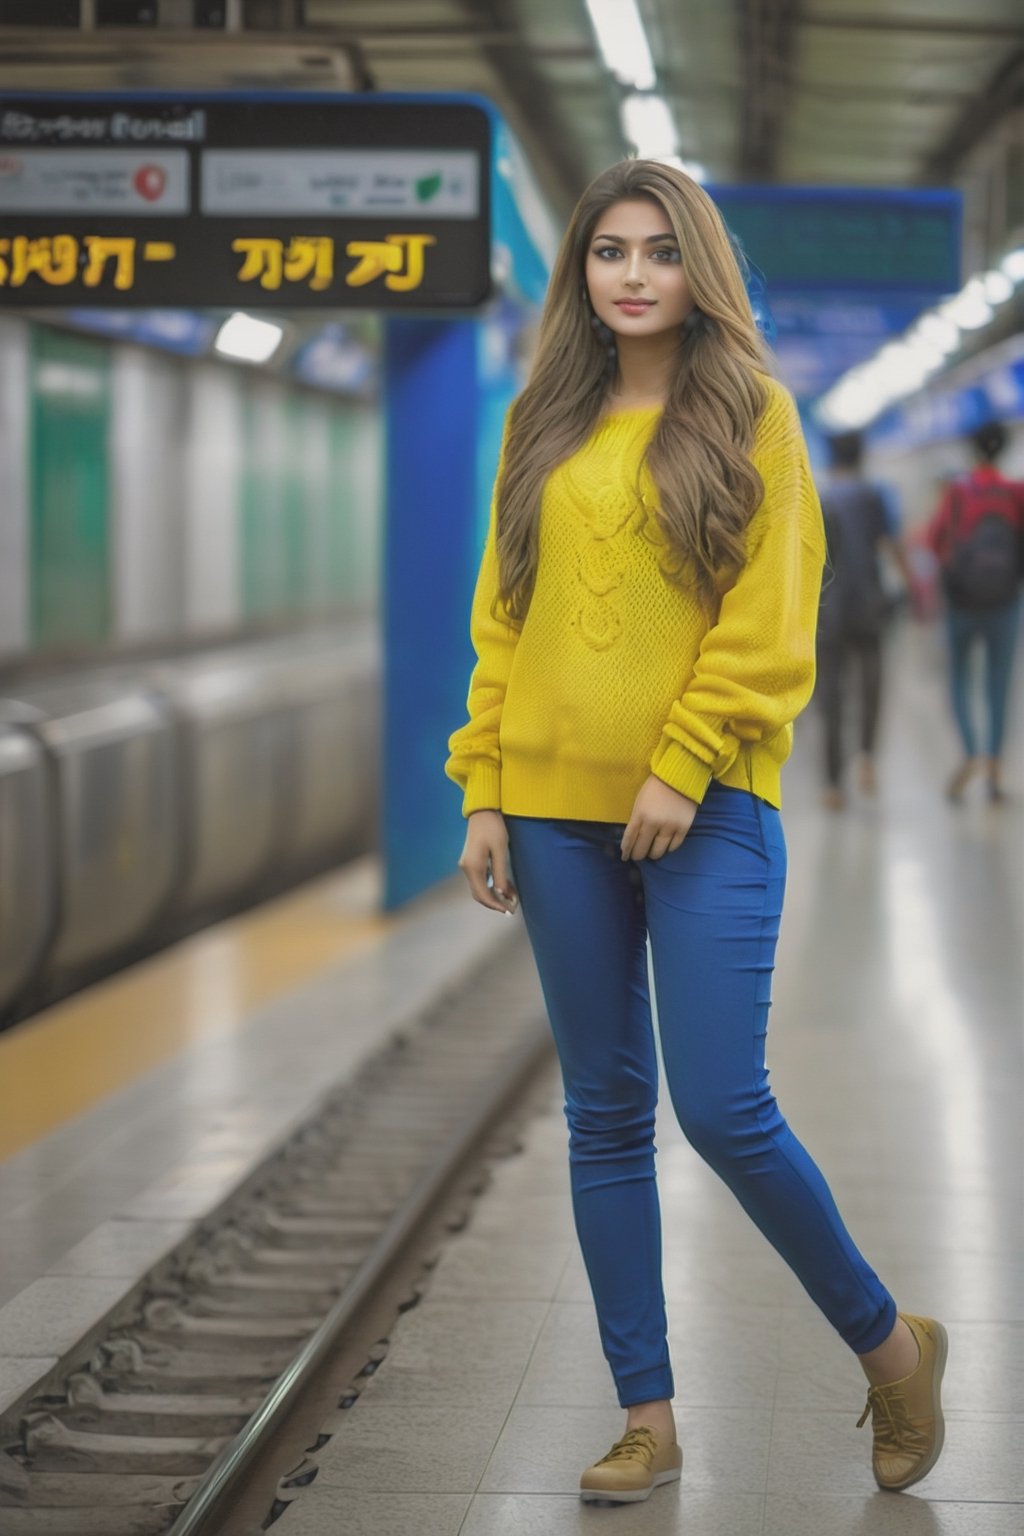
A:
<point x="800" y="91"/>
<point x="843" y="92"/>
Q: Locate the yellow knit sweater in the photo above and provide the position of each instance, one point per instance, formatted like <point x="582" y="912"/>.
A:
<point x="616" y="672"/>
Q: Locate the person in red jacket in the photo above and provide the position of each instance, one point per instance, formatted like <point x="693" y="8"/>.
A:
<point x="977" y="535"/>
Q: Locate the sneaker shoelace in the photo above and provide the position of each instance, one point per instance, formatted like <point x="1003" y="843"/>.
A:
<point x="894" y="1431"/>
<point x="634" y="1440"/>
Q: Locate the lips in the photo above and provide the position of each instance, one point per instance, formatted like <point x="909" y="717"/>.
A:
<point x="634" y="306"/>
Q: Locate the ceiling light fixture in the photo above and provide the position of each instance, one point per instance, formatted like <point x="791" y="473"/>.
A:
<point x="938" y="332"/>
<point x="248" y="339"/>
<point x="649" y="126"/>
<point x="623" y="42"/>
<point x="970" y="309"/>
<point x="997" y="286"/>
<point x="1012" y="265"/>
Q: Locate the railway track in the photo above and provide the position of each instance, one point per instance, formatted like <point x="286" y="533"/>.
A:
<point x="154" y="1435"/>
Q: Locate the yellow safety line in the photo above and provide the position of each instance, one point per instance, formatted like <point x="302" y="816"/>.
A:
<point x="61" y="1062"/>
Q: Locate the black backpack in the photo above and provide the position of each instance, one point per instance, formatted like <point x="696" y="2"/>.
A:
<point x="984" y="566"/>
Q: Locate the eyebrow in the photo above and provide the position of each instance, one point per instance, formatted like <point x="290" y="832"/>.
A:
<point x="650" y="240"/>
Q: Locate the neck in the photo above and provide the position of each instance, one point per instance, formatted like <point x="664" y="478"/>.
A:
<point x="646" y="365"/>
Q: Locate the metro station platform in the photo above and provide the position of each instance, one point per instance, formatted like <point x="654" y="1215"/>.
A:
<point x="896" y="1054"/>
<point x="896" y="1051"/>
<point x="134" y="1108"/>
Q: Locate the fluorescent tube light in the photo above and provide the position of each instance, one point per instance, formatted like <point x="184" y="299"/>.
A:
<point x="648" y="125"/>
<point x="623" y="42"/>
<point x="970" y="310"/>
<point x="998" y="287"/>
<point x="1013" y="265"/>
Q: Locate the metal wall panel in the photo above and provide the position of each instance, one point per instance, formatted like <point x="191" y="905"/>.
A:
<point x="14" y="511"/>
<point x="210" y="509"/>
<point x="70" y="490"/>
<point x="27" y="870"/>
<point x="147" y="473"/>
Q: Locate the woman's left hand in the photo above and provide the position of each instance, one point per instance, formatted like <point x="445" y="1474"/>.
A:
<point x="661" y="819"/>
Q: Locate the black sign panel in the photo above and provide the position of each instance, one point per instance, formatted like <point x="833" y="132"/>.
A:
<point x="272" y="202"/>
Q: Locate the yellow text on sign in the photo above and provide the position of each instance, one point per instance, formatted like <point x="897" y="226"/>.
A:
<point x="306" y="258"/>
<point x="398" y="259"/>
<point x="58" y="260"/>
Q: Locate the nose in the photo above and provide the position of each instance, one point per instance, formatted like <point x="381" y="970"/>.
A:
<point x="634" y="277"/>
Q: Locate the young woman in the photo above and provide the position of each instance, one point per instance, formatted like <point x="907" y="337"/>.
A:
<point x="644" y="622"/>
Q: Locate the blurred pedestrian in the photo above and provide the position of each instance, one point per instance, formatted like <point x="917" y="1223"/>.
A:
<point x="977" y="535"/>
<point x="859" y="526"/>
<point x="644" y="624"/>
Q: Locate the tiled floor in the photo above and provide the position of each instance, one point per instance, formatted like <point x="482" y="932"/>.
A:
<point x="896" y="1053"/>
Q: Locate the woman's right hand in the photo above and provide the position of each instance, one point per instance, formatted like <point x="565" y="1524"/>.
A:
<point x="486" y="849"/>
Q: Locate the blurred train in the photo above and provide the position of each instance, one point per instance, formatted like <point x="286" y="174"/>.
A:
<point x="139" y="802"/>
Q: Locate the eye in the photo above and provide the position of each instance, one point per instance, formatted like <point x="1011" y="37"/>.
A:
<point x="667" y="251"/>
<point x="606" y="250"/>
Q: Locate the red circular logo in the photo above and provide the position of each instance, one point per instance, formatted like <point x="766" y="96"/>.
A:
<point x="149" y="182"/>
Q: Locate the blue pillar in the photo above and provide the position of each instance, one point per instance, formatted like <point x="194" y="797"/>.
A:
<point x="431" y="553"/>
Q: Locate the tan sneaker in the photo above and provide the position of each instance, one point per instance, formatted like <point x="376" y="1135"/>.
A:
<point x="906" y="1416"/>
<point x="634" y="1466"/>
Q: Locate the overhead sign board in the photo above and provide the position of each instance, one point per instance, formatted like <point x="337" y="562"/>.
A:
<point x="224" y="201"/>
<point x="848" y="239"/>
<point x="845" y="268"/>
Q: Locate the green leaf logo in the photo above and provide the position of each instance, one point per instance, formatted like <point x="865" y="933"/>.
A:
<point x="428" y="187"/>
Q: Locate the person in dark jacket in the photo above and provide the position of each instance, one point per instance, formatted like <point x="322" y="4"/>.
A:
<point x="853" y="612"/>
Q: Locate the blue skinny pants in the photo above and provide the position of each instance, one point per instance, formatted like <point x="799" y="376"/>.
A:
<point x="997" y="631"/>
<point x="712" y="910"/>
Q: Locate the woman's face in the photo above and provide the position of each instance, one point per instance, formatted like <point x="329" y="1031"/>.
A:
<point x="634" y="270"/>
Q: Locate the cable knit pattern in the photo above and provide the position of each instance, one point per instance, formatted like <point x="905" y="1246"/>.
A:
<point x="616" y="672"/>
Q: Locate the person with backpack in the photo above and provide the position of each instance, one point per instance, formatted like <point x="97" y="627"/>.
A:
<point x="977" y="535"/>
<point x="852" y="616"/>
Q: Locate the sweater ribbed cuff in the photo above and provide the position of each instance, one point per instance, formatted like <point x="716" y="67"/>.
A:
<point x="483" y="789"/>
<point x="681" y="770"/>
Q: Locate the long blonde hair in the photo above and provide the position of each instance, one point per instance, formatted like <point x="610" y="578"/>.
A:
<point x="699" y="455"/>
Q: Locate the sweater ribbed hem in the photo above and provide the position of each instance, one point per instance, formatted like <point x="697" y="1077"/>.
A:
<point x="563" y="792"/>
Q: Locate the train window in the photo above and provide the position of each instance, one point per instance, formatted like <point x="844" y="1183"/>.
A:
<point x="27" y="13"/>
<point x="126" y="13"/>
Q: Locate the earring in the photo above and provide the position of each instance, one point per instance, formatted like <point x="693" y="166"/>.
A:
<point x="606" y="336"/>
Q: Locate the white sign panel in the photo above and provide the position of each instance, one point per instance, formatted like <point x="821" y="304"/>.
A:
<point x="376" y="182"/>
<point x="131" y="181"/>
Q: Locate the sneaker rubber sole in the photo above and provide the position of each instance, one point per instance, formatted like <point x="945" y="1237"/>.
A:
<point x="630" y="1496"/>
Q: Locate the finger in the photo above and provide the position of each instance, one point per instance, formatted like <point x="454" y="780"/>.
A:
<point x="481" y="892"/>
<point x="503" y="884"/>
<point x="629" y="837"/>
<point x="642" y="843"/>
<point x="661" y="844"/>
<point x="679" y="838"/>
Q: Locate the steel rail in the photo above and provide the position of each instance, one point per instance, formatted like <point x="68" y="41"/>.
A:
<point x="224" y="1474"/>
